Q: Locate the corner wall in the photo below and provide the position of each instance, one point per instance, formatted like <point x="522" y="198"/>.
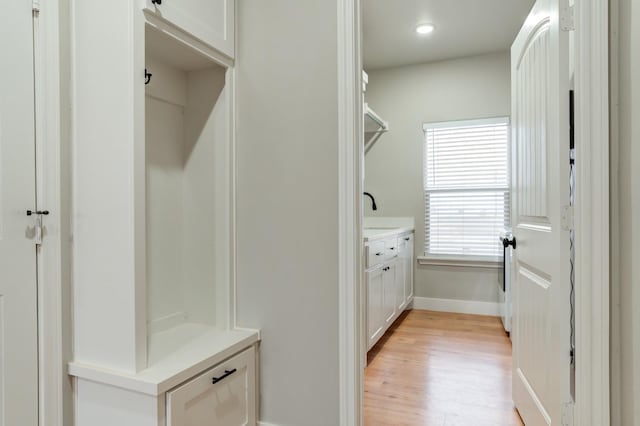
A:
<point x="407" y="97"/>
<point x="287" y="204"/>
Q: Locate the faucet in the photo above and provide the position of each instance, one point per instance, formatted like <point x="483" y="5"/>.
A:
<point x="373" y="201"/>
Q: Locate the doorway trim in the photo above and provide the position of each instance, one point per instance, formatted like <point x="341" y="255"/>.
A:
<point x="49" y="183"/>
<point x="591" y="213"/>
<point x="350" y="154"/>
<point x="592" y="405"/>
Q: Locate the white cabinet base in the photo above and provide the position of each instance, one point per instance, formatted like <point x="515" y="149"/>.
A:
<point x="389" y="281"/>
<point x="108" y="398"/>
<point x="99" y="404"/>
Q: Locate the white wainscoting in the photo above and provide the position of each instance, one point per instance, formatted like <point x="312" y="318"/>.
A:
<point x="458" y="306"/>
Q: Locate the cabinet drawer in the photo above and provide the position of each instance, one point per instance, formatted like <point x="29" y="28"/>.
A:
<point x="391" y="247"/>
<point x="211" y="21"/>
<point x="222" y="396"/>
<point x="376" y="253"/>
<point x="403" y="243"/>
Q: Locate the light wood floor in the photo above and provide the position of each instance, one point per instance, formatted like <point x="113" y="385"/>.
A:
<point x="440" y="369"/>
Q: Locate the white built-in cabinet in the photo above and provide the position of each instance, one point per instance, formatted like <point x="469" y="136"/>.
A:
<point x="388" y="282"/>
<point x="153" y="240"/>
<point x="210" y="21"/>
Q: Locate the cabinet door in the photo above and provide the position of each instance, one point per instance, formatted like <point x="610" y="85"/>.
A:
<point x="375" y="320"/>
<point x="408" y="269"/>
<point x="211" y="21"/>
<point x="223" y="396"/>
<point x="389" y="291"/>
<point x="401" y="276"/>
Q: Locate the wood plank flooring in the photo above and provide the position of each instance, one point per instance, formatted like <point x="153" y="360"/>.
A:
<point x="440" y="369"/>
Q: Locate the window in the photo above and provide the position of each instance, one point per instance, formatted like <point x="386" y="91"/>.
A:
<point x="466" y="184"/>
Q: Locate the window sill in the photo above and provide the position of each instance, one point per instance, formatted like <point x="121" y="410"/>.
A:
<point x="468" y="262"/>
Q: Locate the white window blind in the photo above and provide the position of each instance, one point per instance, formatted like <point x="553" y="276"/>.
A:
<point x="466" y="183"/>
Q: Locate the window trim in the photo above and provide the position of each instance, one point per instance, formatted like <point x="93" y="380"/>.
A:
<point x="462" y="260"/>
<point x="469" y="261"/>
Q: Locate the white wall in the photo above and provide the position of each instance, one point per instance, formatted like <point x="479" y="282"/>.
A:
<point x="287" y="204"/>
<point x="626" y="217"/>
<point x="465" y="88"/>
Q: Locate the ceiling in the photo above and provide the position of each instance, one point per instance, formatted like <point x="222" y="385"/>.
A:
<point x="463" y="28"/>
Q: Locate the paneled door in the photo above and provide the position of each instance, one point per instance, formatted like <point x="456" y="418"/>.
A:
<point x="18" y="296"/>
<point x="541" y="306"/>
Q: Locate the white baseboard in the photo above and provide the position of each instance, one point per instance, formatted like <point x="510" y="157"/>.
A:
<point x="458" y="306"/>
<point x="266" y="424"/>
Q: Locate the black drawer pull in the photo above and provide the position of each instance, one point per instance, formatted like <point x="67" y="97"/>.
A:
<point x="392" y="248"/>
<point x="158" y="2"/>
<point x="407" y="239"/>
<point x="378" y="254"/>
<point x="226" y="374"/>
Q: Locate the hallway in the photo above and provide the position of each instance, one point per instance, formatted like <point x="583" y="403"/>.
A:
<point x="440" y="369"/>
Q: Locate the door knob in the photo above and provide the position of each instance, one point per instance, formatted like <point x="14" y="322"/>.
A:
<point x="506" y="242"/>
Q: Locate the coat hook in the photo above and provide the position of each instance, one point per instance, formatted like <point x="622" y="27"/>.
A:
<point x="147" y="76"/>
<point x="158" y="2"/>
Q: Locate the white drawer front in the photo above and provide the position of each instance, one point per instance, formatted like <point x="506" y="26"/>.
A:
<point x="376" y="254"/>
<point x="391" y="248"/>
<point x="229" y="402"/>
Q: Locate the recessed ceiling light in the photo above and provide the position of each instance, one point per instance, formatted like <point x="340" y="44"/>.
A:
<point x="423" y="29"/>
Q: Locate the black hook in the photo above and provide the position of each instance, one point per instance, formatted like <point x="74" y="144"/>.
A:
<point x="158" y="2"/>
<point x="147" y="76"/>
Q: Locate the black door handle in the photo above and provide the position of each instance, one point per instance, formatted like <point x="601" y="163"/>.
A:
<point x="42" y="212"/>
<point x="506" y="242"/>
<point x="226" y="374"/>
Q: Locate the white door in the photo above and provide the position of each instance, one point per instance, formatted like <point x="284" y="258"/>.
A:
<point x="541" y="310"/>
<point x="18" y="323"/>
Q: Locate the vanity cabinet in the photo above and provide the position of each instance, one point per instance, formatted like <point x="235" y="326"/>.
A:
<point x="210" y="21"/>
<point x="388" y="281"/>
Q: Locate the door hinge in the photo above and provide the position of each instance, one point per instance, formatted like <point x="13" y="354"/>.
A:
<point x="38" y="231"/>
<point x="35" y="6"/>
<point x="566" y="218"/>
<point x="38" y="228"/>
<point x="567" y="18"/>
<point x="567" y="414"/>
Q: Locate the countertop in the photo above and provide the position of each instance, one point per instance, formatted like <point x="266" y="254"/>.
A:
<point x="370" y="234"/>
